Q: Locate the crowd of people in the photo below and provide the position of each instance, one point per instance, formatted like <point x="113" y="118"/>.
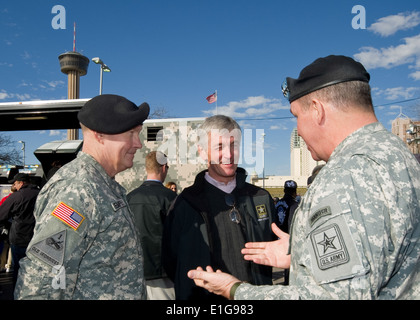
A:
<point x="355" y="234"/>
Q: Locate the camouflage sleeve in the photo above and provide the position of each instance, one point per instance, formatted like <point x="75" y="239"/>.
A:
<point x="248" y="291"/>
<point x="62" y="233"/>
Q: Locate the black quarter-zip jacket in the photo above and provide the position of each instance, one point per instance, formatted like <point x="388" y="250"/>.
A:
<point x="198" y="232"/>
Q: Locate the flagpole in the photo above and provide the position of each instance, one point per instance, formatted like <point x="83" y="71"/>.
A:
<point x="216" y="102"/>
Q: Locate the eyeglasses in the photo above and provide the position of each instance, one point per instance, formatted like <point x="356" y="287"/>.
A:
<point x="285" y="89"/>
<point x="234" y="213"/>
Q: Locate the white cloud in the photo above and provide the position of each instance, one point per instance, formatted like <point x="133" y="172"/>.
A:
<point x="54" y="84"/>
<point x="14" y="96"/>
<point x="51" y="85"/>
<point x="395" y="107"/>
<point x="25" y="55"/>
<point x="407" y="53"/>
<point x="6" y="64"/>
<point x="23" y="83"/>
<point x="392" y="56"/>
<point x="3" y="95"/>
<point x="389" y="25"/>
<point x="256" y="106"/>
<point x="415" y="75"/>
<point x="24" y="96"/>
<point x="278" y="127"/>
<point x="396" y="93"/>
<point x="54" y="133"/>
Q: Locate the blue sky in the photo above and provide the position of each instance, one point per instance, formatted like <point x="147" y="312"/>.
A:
<point x="174" y="53"/>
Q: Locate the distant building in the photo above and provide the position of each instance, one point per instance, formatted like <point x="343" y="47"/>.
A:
<point x="301" y="166"/>
<point x="277" y="181"/>
<point x="400" y="125"/>
<point x="176" y="138"/>
<point x="301" y="161"/>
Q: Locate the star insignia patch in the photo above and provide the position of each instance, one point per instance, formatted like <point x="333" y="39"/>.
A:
<point x="261" y="212"/>
<point x="329" y="247"/>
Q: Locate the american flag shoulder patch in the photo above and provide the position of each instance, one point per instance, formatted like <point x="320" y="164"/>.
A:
<point x="68" y="215"/>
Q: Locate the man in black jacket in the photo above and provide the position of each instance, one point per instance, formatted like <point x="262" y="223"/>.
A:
<point x="150" y="203"/>
<point x="19" y="207"/>
<point x="210" y="221"/>
<point x="285" y="204"/>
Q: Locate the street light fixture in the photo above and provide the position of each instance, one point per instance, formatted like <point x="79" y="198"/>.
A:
<point x="411" y="140"/>
<point x="104" y="67"/>
<point x="411" y="129"/>
<point x="23" y="149"/>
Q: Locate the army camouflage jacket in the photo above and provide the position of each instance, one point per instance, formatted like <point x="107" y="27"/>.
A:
<point x="356" y="233"/>
<point x="85" y="245"/>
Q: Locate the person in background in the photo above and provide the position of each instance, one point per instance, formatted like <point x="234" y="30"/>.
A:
<point x="85" y="244"/>
<point x="315" y="171"/>
<point x="19" y="208"/>
<point x="356" y="232"/>
<point x="285" y="203"/>
<point x="285" y="209"/>
<point x="171" y="185"/>
<point x="55" y="166"/>
<point x="6" y="261"/>
<point x="150" y="203"/>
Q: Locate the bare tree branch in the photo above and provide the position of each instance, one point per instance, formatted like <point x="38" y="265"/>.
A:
<point x="8" y="152"/>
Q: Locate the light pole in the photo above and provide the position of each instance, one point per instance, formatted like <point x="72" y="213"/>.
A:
<point x="104" y="67"/>
<point x="23" y="150"/>
<point x="263" y="138"/>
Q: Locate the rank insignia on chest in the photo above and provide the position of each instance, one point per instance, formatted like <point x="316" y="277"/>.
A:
<point x="261" y="212"/>
<point x="68" y="215"/>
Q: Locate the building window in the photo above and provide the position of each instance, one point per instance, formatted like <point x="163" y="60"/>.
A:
<point x="154" y="134"/>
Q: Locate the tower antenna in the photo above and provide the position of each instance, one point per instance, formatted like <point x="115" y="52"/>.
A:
<point x="74" y="37"/>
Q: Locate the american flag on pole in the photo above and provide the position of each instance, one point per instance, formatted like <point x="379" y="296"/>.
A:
<point x="212" y="98"/>
<point x="68" y="215"/>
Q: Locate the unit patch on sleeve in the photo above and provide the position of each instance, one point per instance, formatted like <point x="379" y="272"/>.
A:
<point x="329" y="247"/>
<point x="51" y="249"/>
<point x="333" y="251"/>
<point x="68" y="215"/>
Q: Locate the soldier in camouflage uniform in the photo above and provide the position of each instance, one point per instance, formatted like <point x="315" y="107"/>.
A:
<point x="85" y="244"/>
<point x="356" y="233"/>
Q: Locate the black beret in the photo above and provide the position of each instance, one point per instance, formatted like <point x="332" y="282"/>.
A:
<point x="112" y="114"/>
<point x="322" y="73"/>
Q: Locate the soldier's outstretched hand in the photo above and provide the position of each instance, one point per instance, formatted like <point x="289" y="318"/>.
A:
<point x="270" y="253"/>
<point x="216" y="282"/>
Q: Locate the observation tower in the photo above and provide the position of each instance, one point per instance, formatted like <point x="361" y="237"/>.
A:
<point x="74" y="65"/>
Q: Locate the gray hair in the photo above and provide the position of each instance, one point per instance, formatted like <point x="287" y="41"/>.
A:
<point x="344" y="96"/>
<point x="218" y="123"/>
